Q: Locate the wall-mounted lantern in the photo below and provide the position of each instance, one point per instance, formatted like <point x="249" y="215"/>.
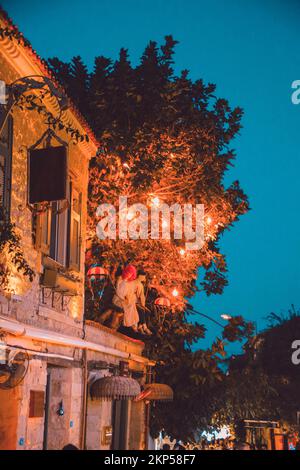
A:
<point x="61" y="410"/>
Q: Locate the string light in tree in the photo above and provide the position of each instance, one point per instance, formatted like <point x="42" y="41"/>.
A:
<point x="175" y="292"/>
<point x="154" y="201"/>
<point x="130" y="215"/>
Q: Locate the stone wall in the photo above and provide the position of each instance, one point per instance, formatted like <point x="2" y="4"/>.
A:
<point x="25" y="302"/>
<point x="31" y="430"/>
<point x="9" y="412"/>
<point x="99" y="415"/>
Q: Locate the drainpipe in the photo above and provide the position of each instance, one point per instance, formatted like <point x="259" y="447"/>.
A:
<point x="147" y="410"/>
<point x="84" y="402"/>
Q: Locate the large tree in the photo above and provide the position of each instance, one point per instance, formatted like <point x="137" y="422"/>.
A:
<point x="263" y="383"/>
<point x="164" y="139"/>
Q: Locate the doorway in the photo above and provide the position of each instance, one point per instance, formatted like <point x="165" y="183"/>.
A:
<point x="57" y="407"/>
<point x="120" y="413"/>
<point x="9" y="412"/>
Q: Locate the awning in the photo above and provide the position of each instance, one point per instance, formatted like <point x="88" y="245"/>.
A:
<point x="22" y="330"/>
<point x="115" y="388"/>
<point x="156" y="392"/>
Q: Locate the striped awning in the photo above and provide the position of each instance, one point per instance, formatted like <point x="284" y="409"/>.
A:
<point x="156" y="392"/>
<point x="115" y="388"/>
<point x="97" y="271"/>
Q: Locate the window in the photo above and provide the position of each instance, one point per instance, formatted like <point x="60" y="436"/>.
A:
<point x="75" y="229"/>
<point x="36" y="404"/>
<point x="59" y="230"/>
<point x="5" y="167"/>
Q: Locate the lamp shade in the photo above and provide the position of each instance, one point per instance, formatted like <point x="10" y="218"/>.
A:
<point x="156" y="392"/>
<point x="96" y="271"/>
<point x="115" y="388"/>
<point x="162" y="301"/>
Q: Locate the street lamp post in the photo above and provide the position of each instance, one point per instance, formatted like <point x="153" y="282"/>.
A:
<point x="192" y="310"/>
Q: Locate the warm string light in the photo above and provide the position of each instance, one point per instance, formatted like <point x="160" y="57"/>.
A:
<point x="130" y="215"/>
<point x="175" y="293"/>
<point x="75" y="310"/>
<point x="156" y="201"/>
<point x="182" y="252"/>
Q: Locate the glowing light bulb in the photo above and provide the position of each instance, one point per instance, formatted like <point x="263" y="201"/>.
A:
<point x="156" y="201"/>
<point x="182" y="252"/>
<point x="126" y="165"/>
<point x="209" y="220"/>
<point x="130" y="215"/>
<point x="175" y="292"/>
<point x="225" y="316"/>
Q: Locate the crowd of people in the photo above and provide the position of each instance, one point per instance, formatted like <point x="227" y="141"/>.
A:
<point x="229" y="443"/>
<point x="214" y="444"/>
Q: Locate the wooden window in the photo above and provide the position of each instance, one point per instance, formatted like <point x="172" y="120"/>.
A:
<point x="5" y="167"/>
<point x="36" y="404"/>
<point x="75" y="229"/>
<point x="43" y="225"/>
<point x="58" y="233"/>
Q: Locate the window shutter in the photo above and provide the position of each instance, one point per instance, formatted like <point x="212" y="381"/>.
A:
<point x="75" y="229"/>
<point x="43" y="225"/>
<point x="47" y="171"/>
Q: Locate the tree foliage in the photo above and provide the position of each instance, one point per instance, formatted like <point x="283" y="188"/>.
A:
<point x="161" y="135"/>
<point x="10" y="245"/>
<point x="167" y="137"/>
<point x="263" y="383"/>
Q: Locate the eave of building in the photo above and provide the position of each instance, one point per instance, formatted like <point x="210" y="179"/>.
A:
<point x="22" y="331"/>
<point x="25" y="62"/>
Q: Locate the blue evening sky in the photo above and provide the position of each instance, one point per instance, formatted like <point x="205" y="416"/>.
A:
<point x="251" y="50"/>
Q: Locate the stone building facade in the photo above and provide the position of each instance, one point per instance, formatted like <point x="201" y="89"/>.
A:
<point x="51" y="407"/>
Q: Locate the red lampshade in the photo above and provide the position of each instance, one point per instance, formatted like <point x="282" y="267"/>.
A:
<point x="162" y="301"/>
<point x="96" y="271"/>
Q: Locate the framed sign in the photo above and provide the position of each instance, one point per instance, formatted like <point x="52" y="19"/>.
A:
<point x="107" y="435"/>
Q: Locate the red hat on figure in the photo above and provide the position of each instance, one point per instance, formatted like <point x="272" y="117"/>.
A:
<point x="129" y="273"/>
